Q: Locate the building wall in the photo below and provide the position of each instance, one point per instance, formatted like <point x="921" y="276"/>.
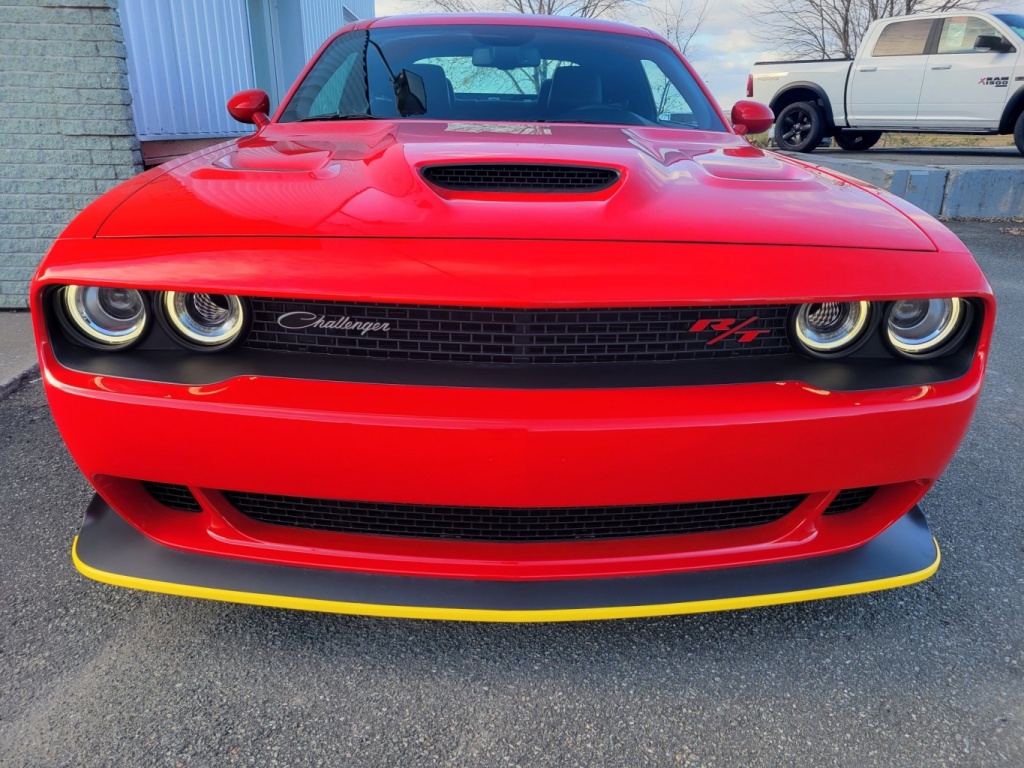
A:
<point x="186" y="59"/>
<point x="66" y="128"/>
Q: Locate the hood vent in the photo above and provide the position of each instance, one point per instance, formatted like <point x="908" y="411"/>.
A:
<point x="519" y="177"/>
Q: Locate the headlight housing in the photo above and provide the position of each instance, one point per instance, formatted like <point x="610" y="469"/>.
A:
<point x="107" y="318"/>
<point x="205" y="321"/>
<point x="826" y="328"/>
<point x="918" y="327"/>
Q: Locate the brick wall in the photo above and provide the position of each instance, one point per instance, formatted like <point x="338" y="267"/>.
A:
<point x="66" y="128"/>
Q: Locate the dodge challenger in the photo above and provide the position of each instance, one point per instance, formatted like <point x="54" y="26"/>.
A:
<point x="502" y="318"/>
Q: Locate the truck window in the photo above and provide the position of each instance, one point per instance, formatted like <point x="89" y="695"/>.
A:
<point x="903" y="38"/>
<point x="960" y="32"/>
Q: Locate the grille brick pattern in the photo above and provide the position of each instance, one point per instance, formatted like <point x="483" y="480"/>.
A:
<point x="522" y="337"/>
<point x="497" y="524"/>
<point x="503" y="177"/>
<point x="174" y="496"/>
<point x="850" y="499"/>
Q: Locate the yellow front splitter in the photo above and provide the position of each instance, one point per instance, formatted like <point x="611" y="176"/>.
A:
<point x="110" y="550"/>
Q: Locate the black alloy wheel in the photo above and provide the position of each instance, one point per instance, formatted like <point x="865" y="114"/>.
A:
<point x="799" y="127"/>
<point x="857" y="141"/>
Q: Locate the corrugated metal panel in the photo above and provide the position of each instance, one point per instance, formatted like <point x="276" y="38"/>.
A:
<point x="361" y="9"/>
<point x="320" y="20"/>
<point x="185" y="59"/>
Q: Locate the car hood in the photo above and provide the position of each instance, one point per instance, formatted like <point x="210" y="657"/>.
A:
<point x="363" y="179"/>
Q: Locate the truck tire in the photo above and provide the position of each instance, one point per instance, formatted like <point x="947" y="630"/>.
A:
<point x="857" y="141"/>
<point x="1018" y="133"/>
<point x="799" y="127"/>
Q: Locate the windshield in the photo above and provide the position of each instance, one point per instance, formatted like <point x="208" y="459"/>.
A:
<point x="506" y="74"/>
<point x="1014" y="21"/>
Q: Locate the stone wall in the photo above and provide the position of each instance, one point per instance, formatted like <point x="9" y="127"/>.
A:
<point x="66" y="128"/>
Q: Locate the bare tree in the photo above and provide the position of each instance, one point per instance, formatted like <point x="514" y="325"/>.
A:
<point x="833" y="28"/>
<point x="679" y="21"/>
<point x="587" y="9"/>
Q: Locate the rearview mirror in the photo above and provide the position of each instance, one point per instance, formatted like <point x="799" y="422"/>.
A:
<point x="506" y="57"/>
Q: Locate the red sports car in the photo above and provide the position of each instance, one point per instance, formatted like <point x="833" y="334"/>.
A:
<point x="500" y="318"/>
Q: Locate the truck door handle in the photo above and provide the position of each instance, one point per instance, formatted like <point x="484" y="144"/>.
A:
<point x="943" y="66"/>
<point x="867" y="69"/>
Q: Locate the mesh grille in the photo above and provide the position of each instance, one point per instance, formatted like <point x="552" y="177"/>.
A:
<point x="850" y="499"/>
<point x="497" y="524"/>
<point x="174" y="496"/>
<point x="520" y="177"/>
<point x="512" y="336"/>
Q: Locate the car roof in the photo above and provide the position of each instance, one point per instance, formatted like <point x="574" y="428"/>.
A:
<point x="501" y="19"/>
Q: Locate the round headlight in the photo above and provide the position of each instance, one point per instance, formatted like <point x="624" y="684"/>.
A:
<point x="829" y="327"/>
<point x="206" y="320"/>
<point x="111" y="317"/>
<point x="920" y="326"/>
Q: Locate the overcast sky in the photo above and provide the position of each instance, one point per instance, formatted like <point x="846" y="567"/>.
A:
<point x="722" y="53"/>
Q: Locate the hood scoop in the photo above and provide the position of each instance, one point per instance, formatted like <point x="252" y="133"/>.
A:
<point x="519" y="177"/>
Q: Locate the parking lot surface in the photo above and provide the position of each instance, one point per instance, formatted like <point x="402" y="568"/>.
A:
<point x="931" y="674"/>
<point x="941" y="156"/>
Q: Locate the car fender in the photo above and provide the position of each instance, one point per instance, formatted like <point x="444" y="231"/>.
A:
<point x="785" y="97"/>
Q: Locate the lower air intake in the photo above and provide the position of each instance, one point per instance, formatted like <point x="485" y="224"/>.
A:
<point x="503" y="524"/>
<point x="174" y="496"/>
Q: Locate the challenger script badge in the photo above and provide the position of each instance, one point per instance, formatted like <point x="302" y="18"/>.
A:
<point x="300" y="321"/>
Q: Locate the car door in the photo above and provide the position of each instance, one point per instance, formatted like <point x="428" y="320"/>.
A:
<point x="885" y="84"/>
<point x="966" y="85"/>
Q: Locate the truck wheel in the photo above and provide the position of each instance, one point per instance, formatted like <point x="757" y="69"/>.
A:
<point x="799" y="127"/>
<point x="1018" y="133"/>
<point x="857" y="141"/>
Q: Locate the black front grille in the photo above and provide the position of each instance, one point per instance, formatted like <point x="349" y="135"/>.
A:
<point x="520" y="177"/>
<point x="519" y="337"/>
<point x="174" y="496"/>
<point x="502" y="524"/>
<point x="850" y="499"/>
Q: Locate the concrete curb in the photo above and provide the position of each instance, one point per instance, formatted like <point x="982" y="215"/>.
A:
<point x="18" y="361"/>
<point x="13" y="384"/>
<point x="980" y="192"/>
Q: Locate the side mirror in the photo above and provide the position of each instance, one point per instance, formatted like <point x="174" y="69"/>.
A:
<point x="993" y="43"/>
<point x="252" y="106"/>
<point x="751" y="117"/>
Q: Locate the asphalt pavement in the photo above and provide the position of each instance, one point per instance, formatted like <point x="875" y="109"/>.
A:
<point x="941" y="156"/>
<point x="931" y="674"/>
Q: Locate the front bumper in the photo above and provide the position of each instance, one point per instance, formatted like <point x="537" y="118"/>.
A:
<point x="110" y="550"/>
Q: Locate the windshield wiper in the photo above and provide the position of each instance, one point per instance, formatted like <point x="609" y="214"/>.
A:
<point x="355" y="116"/>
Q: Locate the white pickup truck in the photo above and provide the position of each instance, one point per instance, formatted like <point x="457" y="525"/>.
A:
<point x="953" y="72"/>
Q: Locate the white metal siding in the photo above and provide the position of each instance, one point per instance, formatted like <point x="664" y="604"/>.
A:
<point x="361" y="9"/>
<point x="185" y="60"/>
<point x="187" y="57"/>
<point x="320" y="20"/>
